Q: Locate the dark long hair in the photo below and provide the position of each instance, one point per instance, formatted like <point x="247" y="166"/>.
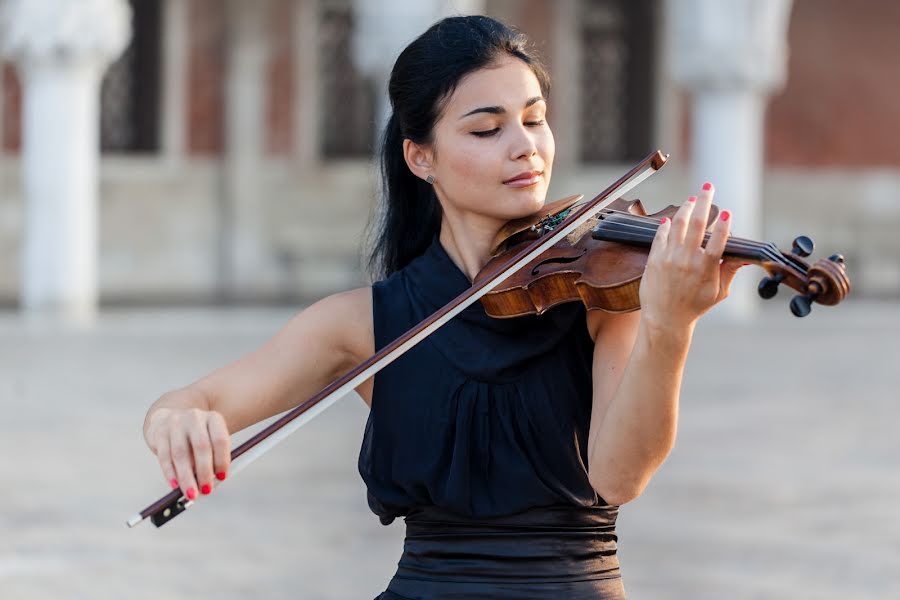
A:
<point x="423" y="78"/>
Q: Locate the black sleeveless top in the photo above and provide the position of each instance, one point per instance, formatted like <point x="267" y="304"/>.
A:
<point x="486" y="417"/>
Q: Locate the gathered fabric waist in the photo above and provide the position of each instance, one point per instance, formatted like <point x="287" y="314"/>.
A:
<point x="553" y="544"/>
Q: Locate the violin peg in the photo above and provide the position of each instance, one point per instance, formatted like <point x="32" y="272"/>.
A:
<point x="801" y="305"/>
<point x="803" y="246"/>
<point x="768" y="286"/>
<point x="838" y="258"/>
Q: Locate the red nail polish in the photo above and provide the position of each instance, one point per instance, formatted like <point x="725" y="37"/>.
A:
<point x="221" y="476"/>
<point x="191" y="494"/>
<point x="692" y="199"/>
<point x="707" y="186"/>
<point x="725" y="215"/>
<point x="206" y="489"/>
<point x="664" y="220"/>
<point x="173" y="483"/>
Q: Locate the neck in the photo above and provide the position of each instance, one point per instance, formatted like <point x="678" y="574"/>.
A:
<point x="467" y="241"/>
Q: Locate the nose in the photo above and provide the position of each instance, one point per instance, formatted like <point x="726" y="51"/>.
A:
<point x="522" y="144"/>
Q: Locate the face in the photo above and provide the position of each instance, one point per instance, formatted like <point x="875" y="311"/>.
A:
<point x="492" y="150"/>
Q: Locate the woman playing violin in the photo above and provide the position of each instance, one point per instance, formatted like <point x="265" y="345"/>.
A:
<point x="506" y="444"/>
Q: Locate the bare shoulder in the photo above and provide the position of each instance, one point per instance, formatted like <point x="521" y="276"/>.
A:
<point x="348" y="315"/>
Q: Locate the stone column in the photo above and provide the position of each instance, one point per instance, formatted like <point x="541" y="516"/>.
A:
<point x="248" y="50"/>
<point x="385" y="28"/>
<point x="175" y="59"/>
<point x="61" y="49"/>
<point x="730" y="57"/>
<point x="307" y="107"/>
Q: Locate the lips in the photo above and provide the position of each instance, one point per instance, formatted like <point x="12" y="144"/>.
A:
<point x="525" y="178"/>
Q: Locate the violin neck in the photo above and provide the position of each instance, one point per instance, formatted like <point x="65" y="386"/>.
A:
<point x="611" y="231"/>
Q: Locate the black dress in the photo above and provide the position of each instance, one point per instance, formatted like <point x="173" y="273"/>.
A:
<point x="478" y="437"/>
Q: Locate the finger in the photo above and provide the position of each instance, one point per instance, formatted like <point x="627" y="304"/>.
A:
<point x="221" y="444"/>
<point x="715" y="247"/>
<point x="203" y="458"/>
<point x="727" y="271"/>
<point x="184" y="466"/>
<point x="680" y="222"/>
<point x="660" y="239"/>
<point x="697" y="225"/>
<point x="164" y="456"/>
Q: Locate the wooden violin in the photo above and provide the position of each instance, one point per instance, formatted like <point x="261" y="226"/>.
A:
<point x="601" y="263"/>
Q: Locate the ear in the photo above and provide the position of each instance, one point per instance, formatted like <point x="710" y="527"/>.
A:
<point x="418" y="158"/>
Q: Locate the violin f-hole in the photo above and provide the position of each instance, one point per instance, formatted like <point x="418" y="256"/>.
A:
<point x="560" y="260"/>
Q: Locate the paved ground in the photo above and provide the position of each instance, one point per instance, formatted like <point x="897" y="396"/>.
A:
<point x="785" y="482"/>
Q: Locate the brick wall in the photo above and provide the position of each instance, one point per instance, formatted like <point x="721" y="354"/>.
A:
<point x="206" y="70"/>
<point x="280" y="80"/>
<point x="841" y="105"/>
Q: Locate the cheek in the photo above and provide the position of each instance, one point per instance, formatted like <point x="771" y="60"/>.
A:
<point x="548" y="149"/>
<point x="471" y="166"/>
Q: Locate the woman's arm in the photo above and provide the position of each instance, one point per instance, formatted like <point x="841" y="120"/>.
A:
<point x="189" y="429"/>
<point x="637" y="379"/>
<point x="639" y="357"/>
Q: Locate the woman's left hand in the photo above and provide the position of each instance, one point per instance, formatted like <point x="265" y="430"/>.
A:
<point x="683" y="279"/>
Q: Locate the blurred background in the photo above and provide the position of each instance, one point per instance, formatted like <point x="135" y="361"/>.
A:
<point x="179" y="177"/>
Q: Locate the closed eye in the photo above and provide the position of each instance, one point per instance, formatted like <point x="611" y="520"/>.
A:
<point x="486" y="133"/>
<point x="490" y="132"/>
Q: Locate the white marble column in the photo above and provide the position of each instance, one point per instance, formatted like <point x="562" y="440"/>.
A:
<point x="385" y="28"/>
<point x="61" y="50"/>
<point x="247" y="53"/>
<point x="175" y="60"/>
<point x="730" y="56"/>
<point x="307" y="106"/>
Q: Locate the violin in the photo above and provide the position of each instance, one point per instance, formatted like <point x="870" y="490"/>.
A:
<point x="602" y="262"/>
<point x="541" y="261"/>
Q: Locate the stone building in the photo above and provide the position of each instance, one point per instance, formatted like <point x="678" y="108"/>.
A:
<point x="236" y="137"/>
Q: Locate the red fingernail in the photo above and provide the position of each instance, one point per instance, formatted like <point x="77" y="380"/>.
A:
<point x="707" y="186"/>
<point x="725" y="215"/>
<point x="191" y="494"/>
<point x="692" y="199"/>
<point x="664" y="220"/>
<point x="173" y="483"/>
<point x="206" y="489"/>
<point x="221" y="476"/>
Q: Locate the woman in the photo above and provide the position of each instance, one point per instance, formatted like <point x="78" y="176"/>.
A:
<point x="508" y="445"/>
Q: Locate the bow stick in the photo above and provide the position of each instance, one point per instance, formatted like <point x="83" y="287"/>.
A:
<point x="173" y="503"/>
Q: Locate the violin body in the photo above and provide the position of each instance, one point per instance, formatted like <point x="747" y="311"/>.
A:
<point x="604" y="275"/>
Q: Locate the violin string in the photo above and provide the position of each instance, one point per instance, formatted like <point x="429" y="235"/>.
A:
<point x="767" y="250"/>
<point x="756" y="249"/>
<point x="650" y="224"/>
<point x="653" y="224"/>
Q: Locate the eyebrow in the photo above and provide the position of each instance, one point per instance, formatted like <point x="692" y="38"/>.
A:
<point x="499" y="110"/>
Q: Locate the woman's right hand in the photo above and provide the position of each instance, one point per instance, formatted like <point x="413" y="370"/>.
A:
<point x="192" y="445"/>
<point x="189" y="429"/>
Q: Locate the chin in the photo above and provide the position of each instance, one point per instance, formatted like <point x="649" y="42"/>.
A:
<point x="532" y="202"/>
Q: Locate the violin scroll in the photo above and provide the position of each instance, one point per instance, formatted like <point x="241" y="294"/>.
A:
<point x="824" y="282"/>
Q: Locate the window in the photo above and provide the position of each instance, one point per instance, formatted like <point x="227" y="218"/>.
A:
<point x="129" y="97"/>
<point x="347" y="98"/>
<point x="617" y="74"/>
